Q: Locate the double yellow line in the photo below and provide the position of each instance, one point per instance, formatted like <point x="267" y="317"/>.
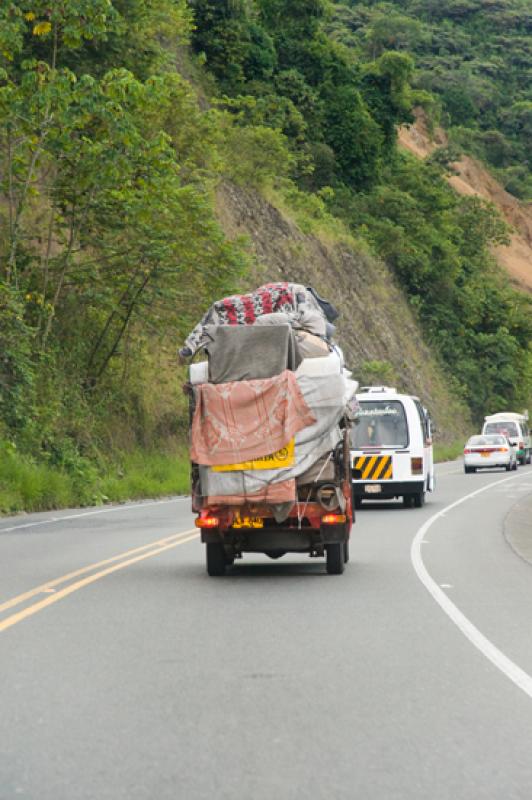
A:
<point x="92" y="573"/>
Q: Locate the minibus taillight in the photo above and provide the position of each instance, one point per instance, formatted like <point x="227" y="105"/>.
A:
<point x="416" y="466"/>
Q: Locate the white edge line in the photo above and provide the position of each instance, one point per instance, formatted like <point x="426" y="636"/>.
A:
<point x="509" y="668"/>
<point x="91" y="513"/>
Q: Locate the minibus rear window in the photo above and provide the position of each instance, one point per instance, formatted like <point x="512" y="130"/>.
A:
<point x="507" y="428"/>
<point x="381" y="423"/>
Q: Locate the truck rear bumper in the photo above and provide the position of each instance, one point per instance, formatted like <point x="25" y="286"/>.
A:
<point x="289" y="539"/>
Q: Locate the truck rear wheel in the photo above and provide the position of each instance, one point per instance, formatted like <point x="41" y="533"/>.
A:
<point x="346" y="551"/>
<point x="216" y="559"/>
<point x="334" y="554"/>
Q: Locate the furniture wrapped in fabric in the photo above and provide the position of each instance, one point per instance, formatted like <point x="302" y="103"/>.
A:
<point x="247" y="482"/>
<point x="311" y="346"/>
<point x="326" y="398"/>
<point x="273" y="493"/>
<point x="320" y="367"/>
<point x="246" y="353"/>
<point x="295" y="300"/>
<point x="198" y="372"/>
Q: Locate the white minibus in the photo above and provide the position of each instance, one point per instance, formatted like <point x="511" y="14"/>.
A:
<point x="391" y="448"/>
<point x="515" y="428"/>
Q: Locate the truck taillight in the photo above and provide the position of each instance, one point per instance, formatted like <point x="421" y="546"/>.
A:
<point x="333" y="519"/>
<point x="467" y="451"/>
<point x="416" y="465"/>
<point x="207" y="522"/>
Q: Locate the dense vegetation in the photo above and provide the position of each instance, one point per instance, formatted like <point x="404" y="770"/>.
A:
<point x="473" y="56"/>
<point x="109" y="241"/>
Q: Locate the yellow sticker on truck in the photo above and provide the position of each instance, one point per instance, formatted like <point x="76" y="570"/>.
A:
<point x="285" y="457"/>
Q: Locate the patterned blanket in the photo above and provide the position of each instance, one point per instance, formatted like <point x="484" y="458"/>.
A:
<point x="243" y="420"/>
<point x="243" y="309"/>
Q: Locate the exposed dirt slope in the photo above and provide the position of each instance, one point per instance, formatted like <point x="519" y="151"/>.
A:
<point x="376" y="322"/>
<point x="474" y="179"/>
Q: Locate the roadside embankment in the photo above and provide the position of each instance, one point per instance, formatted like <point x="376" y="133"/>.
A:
<point x="518" y="528"/>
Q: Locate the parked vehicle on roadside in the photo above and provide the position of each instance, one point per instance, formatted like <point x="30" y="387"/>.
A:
<point x="516" y="429"/>
<point x="490" y="451"/>
<point x="391" y="448"/>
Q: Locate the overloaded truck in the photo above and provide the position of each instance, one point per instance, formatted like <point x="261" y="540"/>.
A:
<point x="271" y="406"/>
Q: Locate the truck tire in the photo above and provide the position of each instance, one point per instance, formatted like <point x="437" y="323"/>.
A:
<point x="407" y="501"/>
<point x="334" y="554"/>
<point x="216" y="559"/>
<point x="346" y="551"/>
<point x="419" y="499"/>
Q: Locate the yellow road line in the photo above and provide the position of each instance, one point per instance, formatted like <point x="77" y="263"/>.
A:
<point x="74" y="587"/>
<point x="21" y="598"/>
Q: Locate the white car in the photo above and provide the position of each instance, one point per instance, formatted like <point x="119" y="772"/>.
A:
<point x="489" y="451"/>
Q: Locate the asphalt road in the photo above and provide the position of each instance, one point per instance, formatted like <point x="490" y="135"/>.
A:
<point x="127" y="674"/>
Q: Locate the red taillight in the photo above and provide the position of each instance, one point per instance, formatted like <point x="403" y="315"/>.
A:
<point x="467" y="451"/>
<point x="333" y="519"/>
<point x="416" y="465"/>
<point x="207" y="522"/>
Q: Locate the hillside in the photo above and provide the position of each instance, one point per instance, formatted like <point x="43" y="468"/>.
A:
<point x="473" y="57"/>
<point x="377" y="330"/>
<point x="470" y="177"/>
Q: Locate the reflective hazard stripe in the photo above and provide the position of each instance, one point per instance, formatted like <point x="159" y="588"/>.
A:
<point x="373" y="468"/>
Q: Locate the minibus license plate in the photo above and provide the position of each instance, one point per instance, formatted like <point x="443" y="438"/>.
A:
<point x="372" y="488"/>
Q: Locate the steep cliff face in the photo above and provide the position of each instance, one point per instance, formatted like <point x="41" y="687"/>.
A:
<point x="376" y="322"/>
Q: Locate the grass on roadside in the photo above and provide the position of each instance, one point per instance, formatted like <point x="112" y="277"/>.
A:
<point x="28" y="485"/>
<point x="448" y="452"/>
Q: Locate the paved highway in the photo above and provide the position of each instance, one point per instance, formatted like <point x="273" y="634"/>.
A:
<point x="126" y="673"/>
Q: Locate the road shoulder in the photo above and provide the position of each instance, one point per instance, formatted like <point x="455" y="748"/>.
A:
<point x="518" y="528"/>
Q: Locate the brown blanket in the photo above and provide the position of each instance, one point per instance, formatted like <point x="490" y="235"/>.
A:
<point x="243" y="420"/>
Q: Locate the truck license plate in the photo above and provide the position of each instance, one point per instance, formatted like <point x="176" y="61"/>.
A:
<point x="372" y="488"/>
<point x="248" y="522"/>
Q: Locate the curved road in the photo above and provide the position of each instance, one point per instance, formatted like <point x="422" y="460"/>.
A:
<point x="127" y="674"/>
